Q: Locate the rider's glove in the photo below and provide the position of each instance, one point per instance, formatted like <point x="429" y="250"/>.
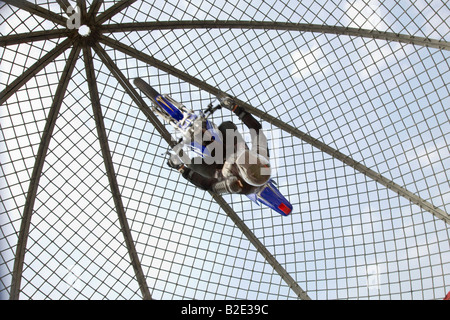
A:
<point x="226" y="102"/>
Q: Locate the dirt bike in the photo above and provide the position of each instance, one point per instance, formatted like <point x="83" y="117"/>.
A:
<point x="187" y="123"/>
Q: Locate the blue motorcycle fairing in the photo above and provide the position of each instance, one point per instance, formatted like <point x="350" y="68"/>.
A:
<point x="272" y="197"/>
<point x="253" y="197"/>
<point x="213" y="130"/>
<point x="201" y="149"/>
<point x="169" y="108"/>
<point x="196" y="147"/>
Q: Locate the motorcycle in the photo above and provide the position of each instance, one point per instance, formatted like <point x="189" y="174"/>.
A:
<point x="188" y="124"/>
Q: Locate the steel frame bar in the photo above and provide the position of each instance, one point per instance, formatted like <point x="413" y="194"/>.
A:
<point x="111" y="11"/>
<point x="437" y="212"/>
<point x="129" y="88"/>
<point x="64" y="4"/>
<point x="228" y="210"/>
<point x="82" y="5"/>
<point x="269" y="25"/>
<point x="37" y="171"/>
<point x="38" y="10"/>
<point x="261" y="248"/>
<point x="33" y="36"/>
<point x="33" y="70"/>
<point x="93" y="9"/>
<point x="106" y="153"/>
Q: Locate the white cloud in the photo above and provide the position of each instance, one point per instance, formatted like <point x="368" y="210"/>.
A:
<point x="361" y="14"/>
<point x="308" y="62"/>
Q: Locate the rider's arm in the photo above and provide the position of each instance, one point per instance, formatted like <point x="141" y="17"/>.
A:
<point x="228" y="103"/>
<point x="259" y="140"/>
<point x="247" y="118"/>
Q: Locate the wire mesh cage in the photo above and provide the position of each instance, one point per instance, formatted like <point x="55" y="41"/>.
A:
<point x="353" y="96"/>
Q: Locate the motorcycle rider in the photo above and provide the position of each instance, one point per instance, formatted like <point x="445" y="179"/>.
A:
<point x="242" y="169"/>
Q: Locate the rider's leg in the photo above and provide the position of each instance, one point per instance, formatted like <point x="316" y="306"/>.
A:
<point x="206" y="169"/>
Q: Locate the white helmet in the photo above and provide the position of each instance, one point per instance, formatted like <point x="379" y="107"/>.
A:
<point x="253" y="168"/>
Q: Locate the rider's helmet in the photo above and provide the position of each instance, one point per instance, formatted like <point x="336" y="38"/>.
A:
<point x="253" y="167"/>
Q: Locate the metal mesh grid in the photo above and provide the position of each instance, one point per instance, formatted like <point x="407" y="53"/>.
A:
<point x="354" y="98"/>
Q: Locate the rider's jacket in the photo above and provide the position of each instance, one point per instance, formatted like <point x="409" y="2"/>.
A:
<point x="228" y="180"/>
